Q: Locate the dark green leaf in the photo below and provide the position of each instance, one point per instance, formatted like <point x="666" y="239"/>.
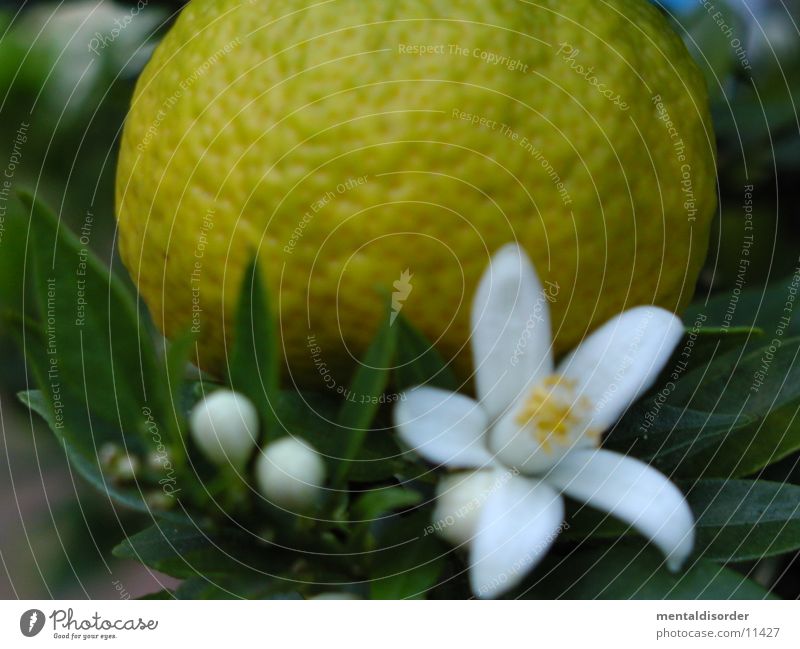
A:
<point x="185" y="550"/>
<point x="418" y="362"/>
<point x="375" y="503"/>
<point x="369" y="383"/>
<point x="740" y="520"/>
<point x="249" y="587"/>
<point x="86" y="464"/>
<point x="669" y="437"/>
<point x="710" y="48"/>
<point x="200" y="587"/>
<point x="632" y="572"/>
<point x="409" y="562"/>
<point x="762" y="307"/>
<point x="707" y="343"/>
<point x="378" y="459"/>
<point x="98" y="360"/>
<point x="178" y="356"/>
<point x="13" y="232"/>
<point x="366" y="394"/>
<point x="582" y="521"/>
<point x="253" y="369"/>
<point x="726" y="419"/>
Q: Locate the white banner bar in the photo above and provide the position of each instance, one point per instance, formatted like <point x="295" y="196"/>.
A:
<point x="399" y="624"/>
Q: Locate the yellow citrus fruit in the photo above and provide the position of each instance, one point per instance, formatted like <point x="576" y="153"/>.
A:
<point x="372" y="151"/>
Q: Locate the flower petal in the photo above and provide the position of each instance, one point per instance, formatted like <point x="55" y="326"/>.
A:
<point x="444" y="427"/>
<point x="511" y="336"/>
<point x="621" y="359"/>
<point x="516" y="526"/>
<point x="633" y="492"/>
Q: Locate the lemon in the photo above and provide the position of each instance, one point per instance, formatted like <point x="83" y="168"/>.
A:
<point x="375" y="152"/>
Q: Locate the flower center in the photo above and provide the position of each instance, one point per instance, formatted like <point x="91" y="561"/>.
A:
<point x="554" y="414"/>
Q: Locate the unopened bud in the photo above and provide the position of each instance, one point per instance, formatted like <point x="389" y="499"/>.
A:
<point x="459" y="499"/>
<point x="159" y="461"/>
<point x="290" y="473"/>
<point x="337" y="594"/>
<point x="107" y="454"/>
<point x="125" y="468"/>
<point x="224" y="426"/>
<point x="159" y="500"/>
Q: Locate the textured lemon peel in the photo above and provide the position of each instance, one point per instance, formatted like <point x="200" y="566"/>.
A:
<point x="305" y="99"/>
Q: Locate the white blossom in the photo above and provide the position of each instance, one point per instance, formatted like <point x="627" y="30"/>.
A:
<point x="535" y="430"/>
<point x="224" y="426"/>
<point x="290" y="473"/>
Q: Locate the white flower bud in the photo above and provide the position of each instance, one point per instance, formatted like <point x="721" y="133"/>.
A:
<point x="335" y="595"/>
<point x="125" y="468"/>
<point x="159" y="461"/>
<point x="459" y="500"/>
<point x="108" y="454"/>
<point x="224" y="426"/>
<point x="290" y="473"/>
<point x="159" y="500"/>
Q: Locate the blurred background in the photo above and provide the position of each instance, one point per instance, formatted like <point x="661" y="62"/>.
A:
<point x="67" y="72"/>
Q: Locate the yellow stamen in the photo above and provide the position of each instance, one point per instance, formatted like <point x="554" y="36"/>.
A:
<point x="554" y="413"/>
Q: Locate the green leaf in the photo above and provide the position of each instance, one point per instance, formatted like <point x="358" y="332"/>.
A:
<point x="252" y="587"/>
<point x="366" y="394"/>
<point x="726" y="419"/>
<point x="185" y="550"/>
<point x="86" y="464"/>
<point x="707" y="343"/>
<point x="178" y="356"/>
<point x="379" y="458"/>
<point x="200" y="587"/>
<point x="418" y="362"/>
<point x="369" y="383"/>
<point x="98" y="361"/>
<point x="13" y="233"/>
<point x="375" y="503"/>
<point x="742" y="520"/>
<point x="410" y="561"/>
<point x="253" y="369"/>
<point x="631" y="572"/>
<point x="710" y="48"/>
<point x="582" y="521"/>
<point x="668" y="437"/>
<point x="762" y="307"/>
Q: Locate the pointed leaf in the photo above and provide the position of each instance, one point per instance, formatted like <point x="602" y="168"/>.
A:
<point x="253" y="369"/>
<point x="376" y="503"/>
<point x="185" y="550"/>
<point x="85" y="464"/>
<point x="743" y="520"/>
<point x="365" y="395"/>
<point x="631" y="572"/>
<point x="727" y="418"/>
<point x="418" y="361"/>
<point x="409" y="563"/>
<point x="100" y="359"/>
